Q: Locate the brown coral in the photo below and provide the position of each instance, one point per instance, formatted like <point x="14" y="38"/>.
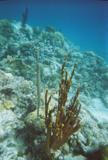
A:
<point x="67" y="122"/>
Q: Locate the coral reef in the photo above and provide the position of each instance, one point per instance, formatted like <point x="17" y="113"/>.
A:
<point x="6" y="28"/>
<point x="66" y="119"/>
<point x="18" y="57"/>
<point x="21" y="131"/>
<point x="38" y="81"/>
<point x="6" y="105"/>
<point x="24" y="17"/>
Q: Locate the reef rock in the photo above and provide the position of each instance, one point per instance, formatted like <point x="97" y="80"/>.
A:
<point x="94" y="128"/>
<point x="18" y="90"/>
<point x="16" y="100"/>
<point x="11" y="147"/>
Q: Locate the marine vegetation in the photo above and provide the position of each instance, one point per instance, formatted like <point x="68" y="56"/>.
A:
<point x="66" y="121"/>
<point x="24" y="17"/>
<point x="38" y="81"/>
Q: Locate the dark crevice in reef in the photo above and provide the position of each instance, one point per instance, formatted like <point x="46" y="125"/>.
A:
<point x="28" y="135"/>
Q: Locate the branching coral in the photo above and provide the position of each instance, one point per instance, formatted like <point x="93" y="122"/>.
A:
<point x="24" y="17"/>
<point x="66" y="123"/>
<point x="38" y="81"/>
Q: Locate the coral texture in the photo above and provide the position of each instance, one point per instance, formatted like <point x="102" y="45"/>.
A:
<point x="66" y="119"/>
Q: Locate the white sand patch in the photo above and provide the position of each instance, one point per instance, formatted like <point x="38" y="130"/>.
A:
<point x="98" y="110"/>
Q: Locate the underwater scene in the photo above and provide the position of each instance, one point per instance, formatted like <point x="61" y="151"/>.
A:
<point x="53" y="80"/>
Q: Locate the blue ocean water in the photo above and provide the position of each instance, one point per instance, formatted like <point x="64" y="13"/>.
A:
<point x="82" y="22"/>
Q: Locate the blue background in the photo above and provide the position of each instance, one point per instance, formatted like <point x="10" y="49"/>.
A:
<point x="85" y="23"/>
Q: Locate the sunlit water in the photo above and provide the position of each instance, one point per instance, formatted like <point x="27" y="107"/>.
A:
<point x="85" y="24"/>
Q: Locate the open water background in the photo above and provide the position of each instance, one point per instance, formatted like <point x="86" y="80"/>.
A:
<point x="85" y="23"/>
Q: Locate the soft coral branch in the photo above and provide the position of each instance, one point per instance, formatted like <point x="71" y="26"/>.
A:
<point x="66" y="122"/>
